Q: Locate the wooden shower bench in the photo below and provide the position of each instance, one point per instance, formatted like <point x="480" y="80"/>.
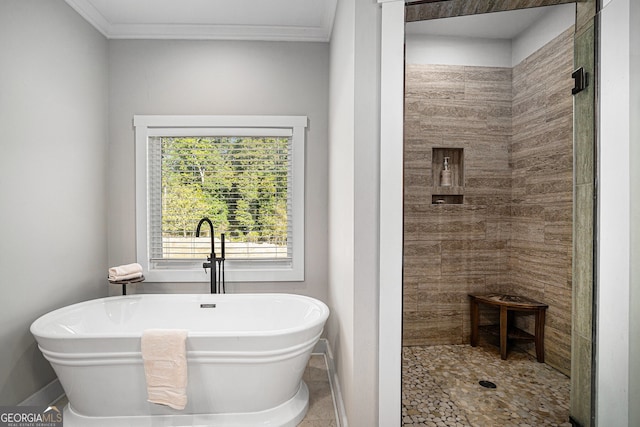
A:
<point x="508" y="304"/>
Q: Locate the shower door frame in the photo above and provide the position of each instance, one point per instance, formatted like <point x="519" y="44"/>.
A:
<point x="391" y="132"/>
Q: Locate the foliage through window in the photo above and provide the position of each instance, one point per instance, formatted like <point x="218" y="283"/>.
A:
<point x="242" y="178"/>
<point x="240" y="183"/>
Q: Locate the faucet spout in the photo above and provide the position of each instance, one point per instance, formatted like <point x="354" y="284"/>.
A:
<point x="212" y="256"/>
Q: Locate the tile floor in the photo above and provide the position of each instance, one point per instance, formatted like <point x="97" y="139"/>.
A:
<point x="322" y="409"/>
<point x="440" y="389"/>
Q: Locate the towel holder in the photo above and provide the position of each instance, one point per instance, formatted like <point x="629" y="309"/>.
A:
<point x="124" y="283"/>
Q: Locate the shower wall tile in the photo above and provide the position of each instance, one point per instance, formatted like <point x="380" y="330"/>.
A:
<point x="542" y="262"/>
<point x="498" y="229"/>
<point x="584" y="106"/>
<point x="581" y="380"/>
<point x="411" y="121"/>
<point x="447" y="9"/>
<point x="410" y="294"/>
<point x="530" y="230"/>
<point x="557" y="350"/>
<point x="542" y="160"/>
<point x="448" y="290"/>
<point x="471" y="257"/>
<point x="481" y="84"/>
<point x="439" y="82"/>
<point x="513" y="233"/>
<point x="560" y="311"/>
<point x="436" y="326"/>
<point x="446" y="224"/>
<point x="585" y="101"/>
<point x="583" y="265"/>
<point x="451" y="249"/>
<point x="494" y="201"/>
<point x="422" y="258"/>
<point x="559" y="224"/>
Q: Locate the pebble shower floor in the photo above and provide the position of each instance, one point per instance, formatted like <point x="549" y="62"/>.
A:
<point x="440" y="389"/>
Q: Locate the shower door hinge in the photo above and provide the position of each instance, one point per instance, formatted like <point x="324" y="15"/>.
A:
<point x="579" y="80"/>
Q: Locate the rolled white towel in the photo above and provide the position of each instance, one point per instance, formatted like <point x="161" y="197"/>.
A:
<point x="125" y="272"/>
<point x="125" y="278"/>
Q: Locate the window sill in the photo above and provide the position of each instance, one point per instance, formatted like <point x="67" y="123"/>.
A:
<point x="236" y="275"/>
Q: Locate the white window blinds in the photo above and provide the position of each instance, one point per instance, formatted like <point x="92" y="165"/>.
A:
<point x="245" y="173"/>
<point x="238" y="179"/>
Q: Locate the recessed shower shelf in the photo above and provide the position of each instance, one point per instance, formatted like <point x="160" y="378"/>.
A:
<point x="448" y="176"/>
<point x="446" y="199"/>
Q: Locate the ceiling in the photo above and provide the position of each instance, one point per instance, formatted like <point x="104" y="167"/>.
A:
<point x="289" y="20"/>
<point x="282" y="20"/>
<point x="497" y="25"/>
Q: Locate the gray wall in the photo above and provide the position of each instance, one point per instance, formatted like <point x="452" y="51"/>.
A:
<point x="225" y="78"/>
<point x="341" y="197"/>
<point x="53" y="114"/>
<point x="354" y="178"/>
<point x="634" y="309"/>
<point x="616" y="374"/>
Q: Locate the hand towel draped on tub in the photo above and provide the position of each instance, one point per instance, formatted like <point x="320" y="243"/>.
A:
<point x="165" y="366"/>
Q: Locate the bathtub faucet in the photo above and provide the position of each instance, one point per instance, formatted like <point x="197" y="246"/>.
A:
<point x="212" y="256"/>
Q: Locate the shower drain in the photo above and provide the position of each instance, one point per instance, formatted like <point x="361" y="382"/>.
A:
<point x="487" y="384"/>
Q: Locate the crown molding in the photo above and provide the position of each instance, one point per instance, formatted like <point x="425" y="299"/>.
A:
<point x="217" y="32"/>
<point x="91" y="14"/>
<point x="321" y="33"/>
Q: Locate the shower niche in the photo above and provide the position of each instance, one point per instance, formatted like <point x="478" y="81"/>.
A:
<point x="447" y="165"/>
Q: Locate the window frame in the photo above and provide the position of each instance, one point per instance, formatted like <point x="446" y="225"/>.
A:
<point x="146" y="126"/>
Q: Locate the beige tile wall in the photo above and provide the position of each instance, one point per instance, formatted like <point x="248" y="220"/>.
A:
<point x="542" y="190"/>
<point x="452" y="250"/>
<point x="446" y="9"/>
<point x="513" y="233"/>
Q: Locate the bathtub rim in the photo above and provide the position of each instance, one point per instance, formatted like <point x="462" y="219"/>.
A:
<point x="41" y="322"/>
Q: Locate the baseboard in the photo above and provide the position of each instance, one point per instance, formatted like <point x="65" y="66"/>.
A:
<point x="322" y="347"/>
<point x="46" y="396"/>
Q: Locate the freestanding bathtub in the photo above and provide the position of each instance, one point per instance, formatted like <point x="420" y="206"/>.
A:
<point x="246" y="354"/>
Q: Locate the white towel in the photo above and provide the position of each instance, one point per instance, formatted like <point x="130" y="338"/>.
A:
<point x="125" y="272"/>
<point x="165" y="366"/>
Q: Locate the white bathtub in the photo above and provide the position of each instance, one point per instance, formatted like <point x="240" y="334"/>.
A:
<point x="246" y="354"/>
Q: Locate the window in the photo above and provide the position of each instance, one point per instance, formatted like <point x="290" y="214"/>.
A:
<point x="245" y="173"/>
